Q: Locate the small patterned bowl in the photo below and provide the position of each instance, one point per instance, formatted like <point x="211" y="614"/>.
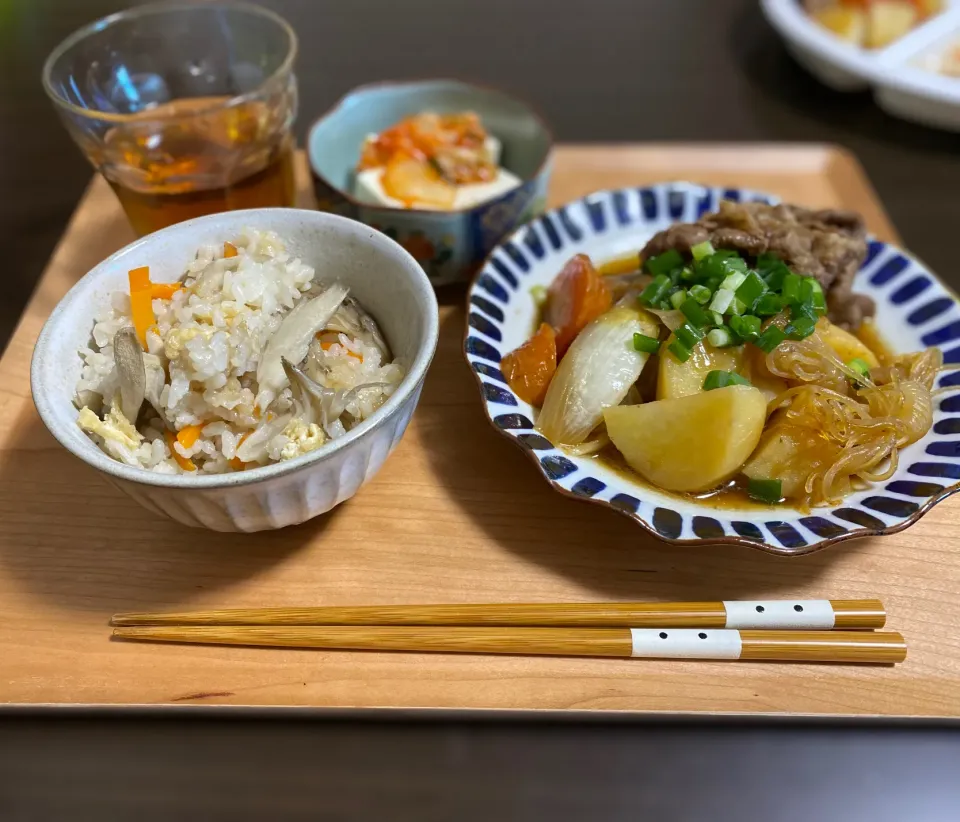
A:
<point x="450" y="245"/>
<point x="914" y="309"/>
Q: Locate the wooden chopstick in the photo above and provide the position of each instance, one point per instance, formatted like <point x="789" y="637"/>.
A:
<point x="676" y="643"/>
<point x="762" y="614"/>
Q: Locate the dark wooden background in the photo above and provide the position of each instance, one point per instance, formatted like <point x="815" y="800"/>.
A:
<point x="628" y="70"/>
<point x="610" y="70"/>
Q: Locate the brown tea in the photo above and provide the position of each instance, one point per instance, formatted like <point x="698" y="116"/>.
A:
<point x="195" y="156"/>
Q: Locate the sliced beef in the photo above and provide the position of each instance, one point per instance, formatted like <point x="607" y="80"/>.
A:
<point x="682" y="237"/>
<point x="828" y="244"/>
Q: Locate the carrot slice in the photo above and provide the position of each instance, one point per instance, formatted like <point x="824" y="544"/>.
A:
<point x="327" y="345"/>
<point x="183" y="462"/>
<point x="530" y="368"/>
<point x="164" y="291"/>
<point x="238" y="464"/>
<point x="576" y="298"/>
<point x="229" y="250"/>
<point x="141" y="301"/>
<point x="189" y="435"/>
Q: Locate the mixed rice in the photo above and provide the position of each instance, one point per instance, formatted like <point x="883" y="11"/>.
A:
<point x="244" y="362"/>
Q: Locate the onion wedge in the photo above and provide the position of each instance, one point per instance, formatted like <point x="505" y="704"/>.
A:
<point x="597" y="372"/>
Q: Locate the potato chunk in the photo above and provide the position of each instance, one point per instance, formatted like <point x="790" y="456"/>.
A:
<point x="790" y="453"/>
<point x="693" y="443"/>
<point x="681" y="379"/>
<point x="844" y="344"/>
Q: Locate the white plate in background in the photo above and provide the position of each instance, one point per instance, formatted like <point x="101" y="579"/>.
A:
<point x="901" y="87"/>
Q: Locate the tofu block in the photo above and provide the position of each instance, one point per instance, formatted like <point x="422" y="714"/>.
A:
<point x="368" y="189"/>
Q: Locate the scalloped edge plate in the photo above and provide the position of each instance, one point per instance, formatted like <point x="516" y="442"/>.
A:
<point x="914" y="309"/>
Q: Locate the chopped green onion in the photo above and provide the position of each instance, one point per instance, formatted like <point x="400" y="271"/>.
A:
<point x="746" y="327"/>
<point x="713" y="283"/>
<point x="688" y="335"/>
<point x="800" y="328"/>
<point x="725" y="254"/>
<point x="694" y="313"/>
<point x="721" y="300"/>
<point x="812" y="292"/>
<point x="701" y="294"/>
<point x="656" y="291"/>
<point x="765" y="490"/>
<point x="664" y="263"/>
<point x="679" y="350"/>
<point x="677" y="298"/>
<point x="736" y="307"/>
<point x="803" y="310"/>
<point x="720" y="264"/>
<point x="751" y="289"/>
<point x="710" y="268"/>
<point x="734" y="263"/>
<point x="767" y="262"/>
<point x="721" y="379"/>
<point x="687" y="274"/>
<point x="790" y="288"/>
<point x="774" y="276"/>
<point x="768" y="305"/>
<point x="769" y="339"/>
<point x="539" y="295"/>
<point x="720" y="337"/>
<point x="645" y="344"/>
<point x="862" y="367"/>
<point x="701" y="250"/>
<point x="733" y="281"/>
<point x="716" y="318"/>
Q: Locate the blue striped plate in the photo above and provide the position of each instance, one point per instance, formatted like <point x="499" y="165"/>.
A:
<point x="914" y="310"/>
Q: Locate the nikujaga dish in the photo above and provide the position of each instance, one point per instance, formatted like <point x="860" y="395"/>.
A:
<point x="730" y="357"/>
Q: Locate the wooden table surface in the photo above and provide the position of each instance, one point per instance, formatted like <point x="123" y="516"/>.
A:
<point x="456" y="515"/>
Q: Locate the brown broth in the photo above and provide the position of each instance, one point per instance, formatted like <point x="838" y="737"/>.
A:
<point x="624" y="264"/>
<point x="870" y="336"/>
<point x="726" y="497"/>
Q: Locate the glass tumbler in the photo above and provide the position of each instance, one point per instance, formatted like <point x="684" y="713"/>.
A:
<point x="184" y="108"/>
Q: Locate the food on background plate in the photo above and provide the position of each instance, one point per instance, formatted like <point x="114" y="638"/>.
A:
<point x="432" y="161"/>
<point x="728" y="360"/>
<point x="243" y="362"/>
<point x="945" y="61"/>
<point x="871" y="23"/>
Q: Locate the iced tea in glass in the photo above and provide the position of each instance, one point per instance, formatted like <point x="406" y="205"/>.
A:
<point x="186" y="109"/>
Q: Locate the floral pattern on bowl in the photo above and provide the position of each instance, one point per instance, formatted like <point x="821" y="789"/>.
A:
<point x="914" y="310"/>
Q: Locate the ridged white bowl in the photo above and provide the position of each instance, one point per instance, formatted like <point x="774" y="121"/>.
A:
<point x="386" y="280"/>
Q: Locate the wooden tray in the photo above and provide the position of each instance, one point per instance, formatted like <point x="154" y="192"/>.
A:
<point x="456" y="515"/>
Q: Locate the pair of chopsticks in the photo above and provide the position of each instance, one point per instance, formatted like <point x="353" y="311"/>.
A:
<point x="774" y="630"/>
